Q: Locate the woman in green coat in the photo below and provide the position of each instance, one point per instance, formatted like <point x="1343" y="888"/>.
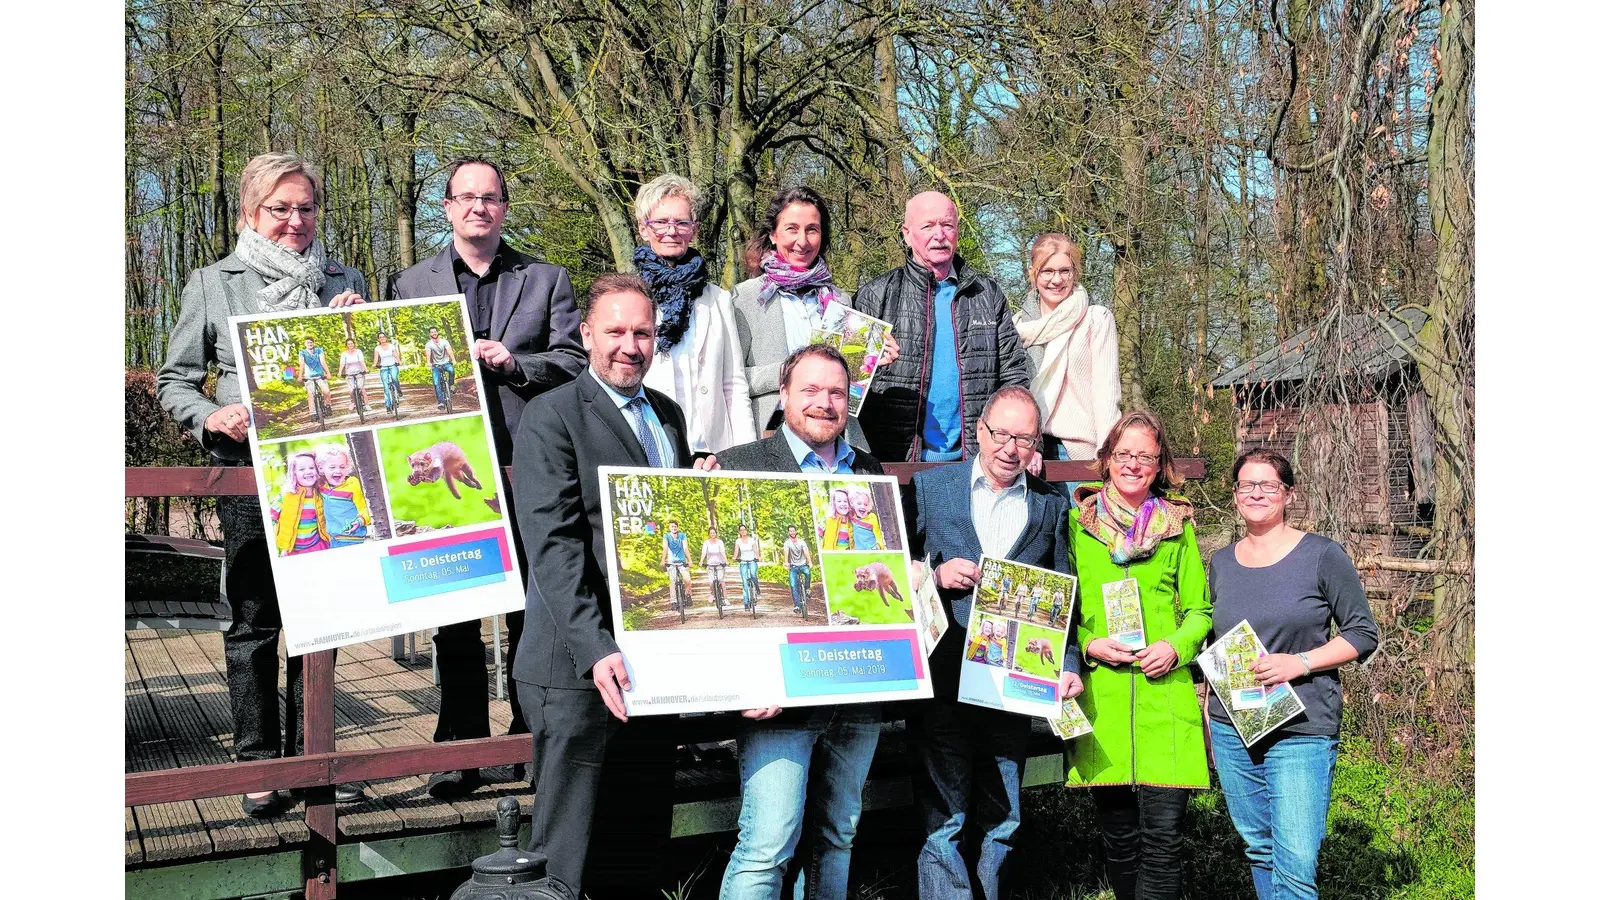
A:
<point x="1136" y="550"/>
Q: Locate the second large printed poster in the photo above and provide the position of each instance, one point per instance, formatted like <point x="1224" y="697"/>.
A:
<point x="742" y="590"/>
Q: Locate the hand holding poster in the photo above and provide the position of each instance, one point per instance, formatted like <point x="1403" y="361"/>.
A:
<point x="859" y="337"/>
<point x="405" y="483"/>
<point x="1254" y="710"/>
<point x="1017" y="638"/>
<point x="739" y="590"/>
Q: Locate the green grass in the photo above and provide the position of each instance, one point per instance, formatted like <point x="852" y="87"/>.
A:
<point x="839" y="583"/>
<point x="431" y="503"/>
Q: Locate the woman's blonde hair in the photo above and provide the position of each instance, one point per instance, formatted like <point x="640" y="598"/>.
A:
<point x="263" y="173"/>
<point x="1047" y="245"/>
<point x="659" y="189"/>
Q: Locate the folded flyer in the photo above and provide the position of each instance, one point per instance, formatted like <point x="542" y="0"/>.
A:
<point x="1254" y="710"/>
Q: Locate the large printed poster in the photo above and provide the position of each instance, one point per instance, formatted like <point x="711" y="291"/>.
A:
<point x="1016" y="638"/>
<point x="379" y="486"/>
<point x="736" y="590"/>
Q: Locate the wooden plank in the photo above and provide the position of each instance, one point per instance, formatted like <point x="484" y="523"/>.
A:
<point x="383" y="699"/>
<point x="133" y="854"/>
<point x="194" y="740"/>
<point x="322" y="872"/>
<point x="167" y="831"/>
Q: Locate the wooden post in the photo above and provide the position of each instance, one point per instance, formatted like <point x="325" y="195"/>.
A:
<point x="320" y="861"/>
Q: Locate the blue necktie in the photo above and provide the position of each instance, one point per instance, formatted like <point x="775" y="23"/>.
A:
<point x="647" y="440"/>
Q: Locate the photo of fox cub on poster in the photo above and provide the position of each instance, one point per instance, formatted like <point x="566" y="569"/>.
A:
<point x="737" y="590"/>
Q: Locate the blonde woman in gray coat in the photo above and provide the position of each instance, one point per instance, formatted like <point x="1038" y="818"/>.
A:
<point x="277" y="265"/>
<point x="776" y="311"/>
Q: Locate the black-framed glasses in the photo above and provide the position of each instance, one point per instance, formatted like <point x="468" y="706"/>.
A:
<point x="471" y="200"/>
<point x="1127" y="456"/>
<point x="1024" y="441"/>
<point x="671" y="226"/>
<point x="281" y="212"/>
<point x="1267" y="487"/>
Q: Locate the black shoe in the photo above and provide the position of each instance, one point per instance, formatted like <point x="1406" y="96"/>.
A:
<point x="263" y="808"/>
<point x="449" y="785"/>
<point x="348" y="793"/>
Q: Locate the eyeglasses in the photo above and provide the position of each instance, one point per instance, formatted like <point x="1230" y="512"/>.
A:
<point x="471" y="200"/>
<point x="1267" y="487"/>
<point x="1024" y="442"/>
<point x="281" y="212"/>
<point x="671" y="226"/>
<point x="1051" y="274"/>
<point x="1127" y="456"/>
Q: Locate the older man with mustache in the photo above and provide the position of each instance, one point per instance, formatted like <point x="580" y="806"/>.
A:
<point x="957" y="343"/>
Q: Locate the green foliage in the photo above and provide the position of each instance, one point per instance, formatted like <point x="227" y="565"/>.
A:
<point x="150" y="436"/>
<point x="431" y="503"/>
<point x="421" y="374"/>
<point x="839" y="585"/>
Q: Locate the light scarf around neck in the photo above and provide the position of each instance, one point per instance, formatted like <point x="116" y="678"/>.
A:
<point x="1131" y="534"/>
<point x="293" y="279"/>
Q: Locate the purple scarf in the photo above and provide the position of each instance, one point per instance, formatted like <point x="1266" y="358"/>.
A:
<point x="780" y="277"/>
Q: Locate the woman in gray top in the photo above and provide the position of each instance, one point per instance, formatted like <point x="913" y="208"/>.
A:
<point x="776" y="311"/>
<point x="278" y="264"/>
<point x="1290" y="585"/>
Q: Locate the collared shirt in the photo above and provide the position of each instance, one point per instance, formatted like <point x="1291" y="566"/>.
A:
<point x="801" y="316"/>
<point x="843" y="462"/>
<point x="941" y="418"/>
<point x="669" y="456"/>
<point x="999" y="519"/>
<point x="480" y="289"/>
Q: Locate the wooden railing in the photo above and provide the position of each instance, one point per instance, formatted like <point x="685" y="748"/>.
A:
<point x="322" y="767"/>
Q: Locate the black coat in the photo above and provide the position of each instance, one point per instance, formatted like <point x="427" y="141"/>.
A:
<point x="566" y="434"/>
<point x="989" y="357"/>
<point x="773" y="455"/>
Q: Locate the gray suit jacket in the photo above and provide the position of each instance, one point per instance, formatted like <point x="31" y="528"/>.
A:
<point x="766" y="346"/>
<point x="773" y="455"/>
<point x="942" y="529"/>
<point x="566" y="434"/>
<point x="225" y="288"/>
<point x="534" y="315"/>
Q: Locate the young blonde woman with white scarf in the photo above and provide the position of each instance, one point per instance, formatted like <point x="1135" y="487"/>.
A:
<point x="1074" y="350"/>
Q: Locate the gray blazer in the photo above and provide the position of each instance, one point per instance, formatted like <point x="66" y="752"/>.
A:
<point x="535" y="316"/>
<point x="766" y="346"/>
<point x="225" y="288"/>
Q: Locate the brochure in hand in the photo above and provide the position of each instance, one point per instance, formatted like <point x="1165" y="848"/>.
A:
<point x="860" y="338"/>
<point x="1254" y="710"/>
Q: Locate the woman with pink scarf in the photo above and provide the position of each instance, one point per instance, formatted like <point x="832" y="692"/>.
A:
<point x="1074" y="351"/>
<point x="776" y="311"/>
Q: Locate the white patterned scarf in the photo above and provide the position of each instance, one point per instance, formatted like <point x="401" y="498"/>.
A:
<point x="293" y="279"/>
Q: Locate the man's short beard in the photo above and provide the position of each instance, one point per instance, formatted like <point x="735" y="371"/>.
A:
<point x="804" y="427"/>
<point x="603" y="368"/>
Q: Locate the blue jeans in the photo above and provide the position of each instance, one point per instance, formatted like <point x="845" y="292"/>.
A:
<point x="1278" y="799"/>
<point x="439" y="371"/>
<point x="800" y="585"/>
<point x="391" y="385"/>
<point x="969" y="779"/>
<point x="747" y="575"/>
<point x="831" y="747"/>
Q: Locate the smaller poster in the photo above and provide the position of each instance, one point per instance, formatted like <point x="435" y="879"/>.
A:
<point x="1016" y="638"/>
<point x="740" y="590"/>
<point x="1070" y="722"/>
<point x="1254" y="710"/>
<point x="930" y="612"/>
<point x="1124" y="618"/>
<point x="380" y="490"/>
<point x="860" y="338"/>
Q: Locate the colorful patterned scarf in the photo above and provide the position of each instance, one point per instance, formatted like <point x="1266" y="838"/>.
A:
<point x="674" y="284"/>
<point x="1131" y="534"/>
<point x="779" y="277"/>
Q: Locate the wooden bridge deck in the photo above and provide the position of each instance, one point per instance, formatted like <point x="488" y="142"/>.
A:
<point x="176" y="714"/>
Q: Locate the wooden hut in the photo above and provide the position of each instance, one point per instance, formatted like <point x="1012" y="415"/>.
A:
<point x="1344" y="402"/>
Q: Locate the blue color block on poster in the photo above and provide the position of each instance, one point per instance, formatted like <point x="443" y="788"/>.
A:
<point x="847" y="667"/>
<point x="1022" y="689"/>
<point x="441" y="569"/>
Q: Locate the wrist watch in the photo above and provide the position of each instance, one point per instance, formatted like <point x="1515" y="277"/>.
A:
<point x="1304" y="661"/>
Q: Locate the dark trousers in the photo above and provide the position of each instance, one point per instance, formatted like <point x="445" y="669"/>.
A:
<point x="603" y="785"/>
<point x="1144" y="859"/>
<point x="464" y="680"/>
<point x="250" y="645"/>
<point x="968" y="784"/>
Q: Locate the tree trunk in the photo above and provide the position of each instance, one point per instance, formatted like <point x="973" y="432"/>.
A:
<point x="1446" y="347"/>
<point x="220" y="226"/>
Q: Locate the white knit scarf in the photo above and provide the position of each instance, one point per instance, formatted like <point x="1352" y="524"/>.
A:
<point x="1064" y="335"/>
<point x="293" y="279"/>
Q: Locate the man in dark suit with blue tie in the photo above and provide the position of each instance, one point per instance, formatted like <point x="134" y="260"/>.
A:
<point x="594" y="768"/>
<point x="971" y="758"/>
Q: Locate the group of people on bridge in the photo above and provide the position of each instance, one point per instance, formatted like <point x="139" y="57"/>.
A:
<point x="696" y="375"/>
